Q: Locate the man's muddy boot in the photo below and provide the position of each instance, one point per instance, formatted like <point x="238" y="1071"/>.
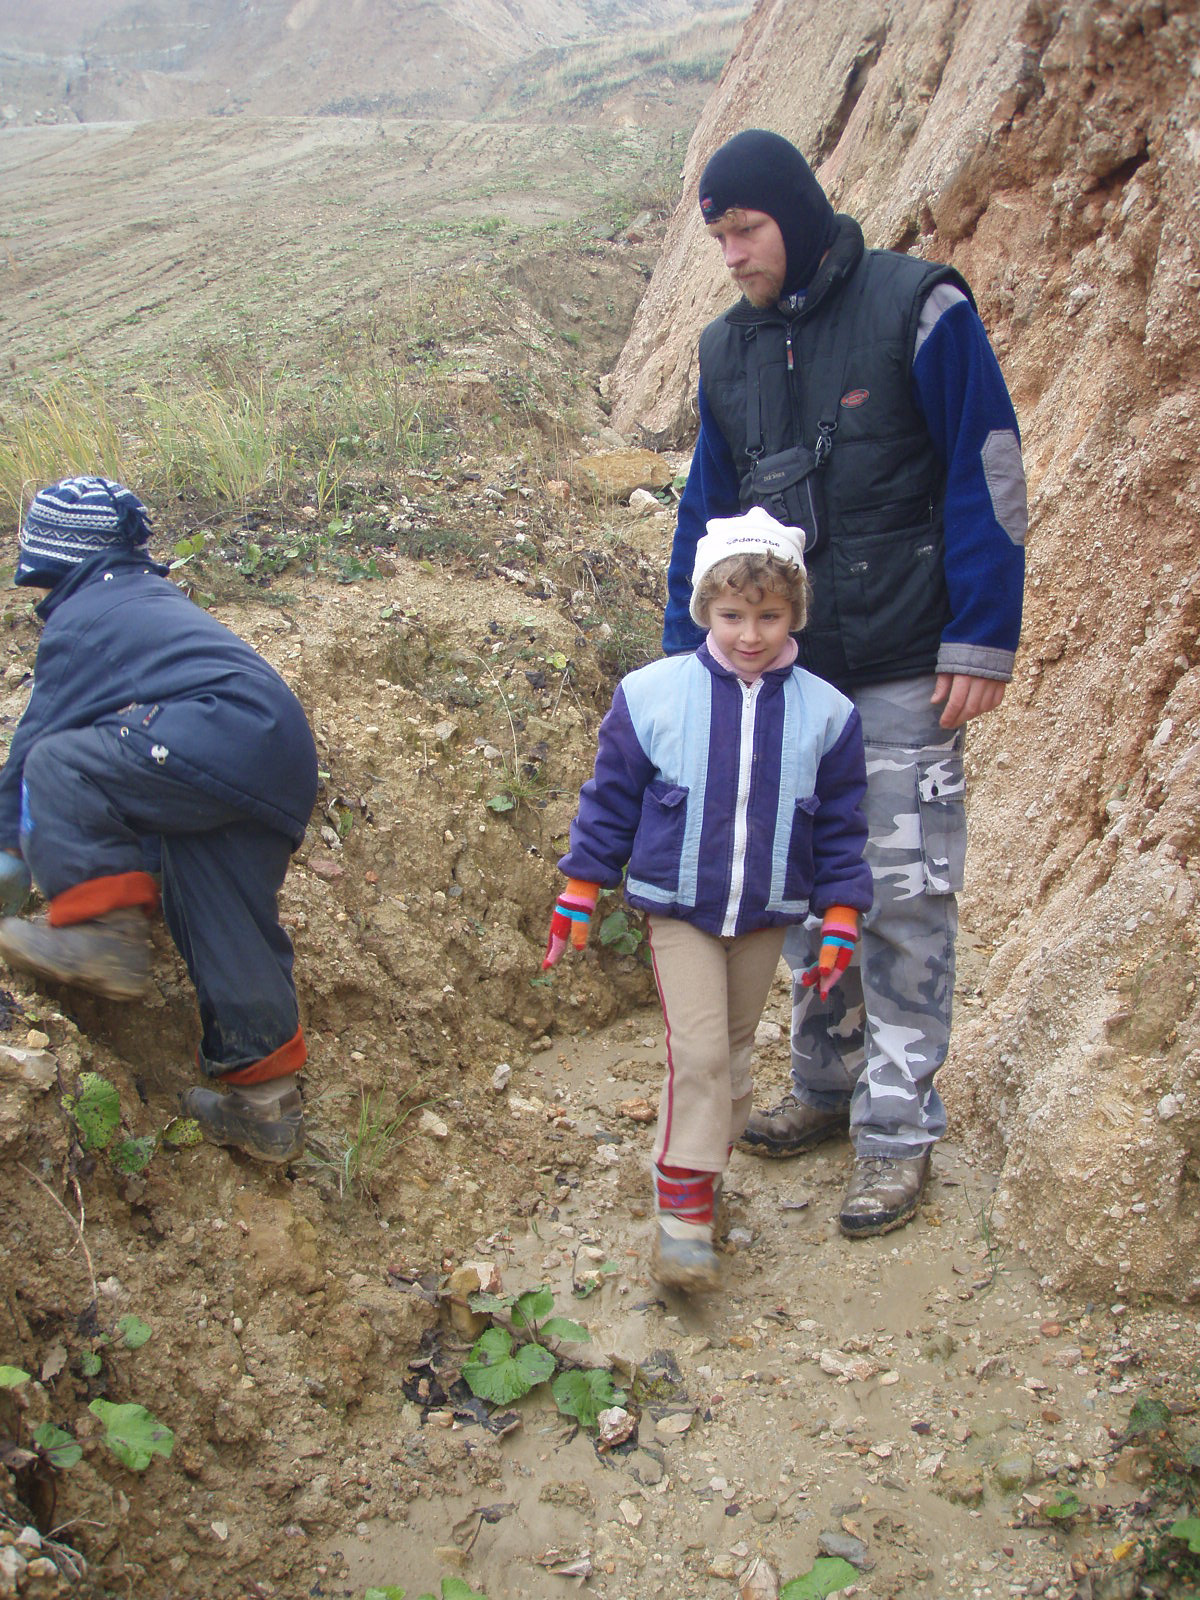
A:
<point x="110" y="955"/>
<point x="882" y="1193"/>
<point x="265" y="1120"/>
<point x="792" y="1127"/>
<point x="683" y="1257"/>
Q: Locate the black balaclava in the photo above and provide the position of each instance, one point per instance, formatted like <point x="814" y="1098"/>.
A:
<point x="760" y="171"/>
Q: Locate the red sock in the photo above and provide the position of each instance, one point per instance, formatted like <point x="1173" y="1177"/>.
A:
<point x="685" y="1193"/>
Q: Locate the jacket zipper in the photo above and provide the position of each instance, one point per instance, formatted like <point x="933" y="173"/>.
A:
<point x="741" y="807"/>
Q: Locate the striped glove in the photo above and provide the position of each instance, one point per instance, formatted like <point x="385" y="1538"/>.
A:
<point x="571" y="919"/>
<point x="839" y="935"/>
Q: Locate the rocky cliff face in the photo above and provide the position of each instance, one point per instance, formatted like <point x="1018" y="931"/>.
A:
<point x="1050" y="154"/>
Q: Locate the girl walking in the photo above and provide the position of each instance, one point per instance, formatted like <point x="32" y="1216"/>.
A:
<point x="729" y="783"/>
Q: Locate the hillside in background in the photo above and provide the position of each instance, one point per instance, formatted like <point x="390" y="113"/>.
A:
<point x="101" y="61"/>
<point x="1050" y="154"/>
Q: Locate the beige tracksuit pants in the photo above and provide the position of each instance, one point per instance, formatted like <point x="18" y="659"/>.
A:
<point x="712" y="991"/>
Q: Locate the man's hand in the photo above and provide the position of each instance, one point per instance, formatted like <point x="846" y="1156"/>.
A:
<point x="965" y="697"/>
<point x="15" y="883"/>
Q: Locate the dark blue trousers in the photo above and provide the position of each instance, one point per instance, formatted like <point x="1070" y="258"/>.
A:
<point x="89" y="806"/>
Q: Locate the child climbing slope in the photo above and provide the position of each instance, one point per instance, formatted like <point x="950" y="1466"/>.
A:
<point x="729" y="782"/>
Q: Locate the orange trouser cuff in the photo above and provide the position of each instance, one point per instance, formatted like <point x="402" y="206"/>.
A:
<point x="87" y="901"/>
<point x="289" y="1058"/>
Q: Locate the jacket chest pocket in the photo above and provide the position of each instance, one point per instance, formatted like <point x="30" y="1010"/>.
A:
<point x="658" y="843"/>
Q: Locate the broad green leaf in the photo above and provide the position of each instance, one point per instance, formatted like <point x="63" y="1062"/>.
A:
<point x="490" y="1370"/>
<point x="90" y="1363"/>
<point x="133" y="1434"/>
<point x="826" y="1574"/>
<point x="95" y="1109"/>
<point x="557" y="660"/>
<point x="536" y="1363"/>
<point x="131" y="1156"/>
<point x="12" y="1377"/>
<point x="532" y="1305"/>
<point x="501" y="802"/>
<point x="57" y="1445"/>
<point x="493" y="1373"/>
<point x="133" y="1332"/>
<point x="389" y="1591"/>
<point x="1187" y="1529"/>
<point x="584" y="1395"/>
<point x="564" y="1328"/>
<point x="181" y="1132"/>
<point x="1065" y="1506"/>
<point x="456" y="1589"/>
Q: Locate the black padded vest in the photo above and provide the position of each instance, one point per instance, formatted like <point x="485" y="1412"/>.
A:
<point x="842" y="366"/>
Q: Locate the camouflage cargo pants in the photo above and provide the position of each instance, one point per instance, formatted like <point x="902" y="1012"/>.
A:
<point x="885" y="1029"/>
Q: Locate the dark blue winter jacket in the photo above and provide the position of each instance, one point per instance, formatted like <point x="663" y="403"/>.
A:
<point x="125" y="648"/>
<point x="691" y="790"/>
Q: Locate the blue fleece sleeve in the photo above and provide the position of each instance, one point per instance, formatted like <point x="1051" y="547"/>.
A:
<point x="841" y="877"/>
<point x="960" y="391"/>
<point x="711" y="491"/>
<point x="610" y="802"/>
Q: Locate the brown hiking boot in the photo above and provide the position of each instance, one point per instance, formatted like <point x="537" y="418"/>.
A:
<point x="791" y="1127"/>
<point x="265" y="1120"/>
<point x="883" y="1193"/>
<point x="109" y="955"/>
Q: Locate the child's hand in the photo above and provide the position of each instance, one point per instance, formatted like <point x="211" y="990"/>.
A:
<point x="571" y="919"/>
<point x="839" y="934"/>
<point x="15" y="883"/>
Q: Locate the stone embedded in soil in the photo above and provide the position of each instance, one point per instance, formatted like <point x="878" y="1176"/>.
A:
<point x="844" y="1545"/>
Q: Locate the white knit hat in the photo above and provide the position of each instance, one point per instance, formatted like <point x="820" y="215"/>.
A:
<point x="755" y="532"/>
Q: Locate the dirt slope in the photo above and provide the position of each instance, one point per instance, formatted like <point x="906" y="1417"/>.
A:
<point x="1048" y="154"/>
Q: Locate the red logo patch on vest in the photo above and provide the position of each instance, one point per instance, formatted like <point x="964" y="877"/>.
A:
<point x="855" y="397"/>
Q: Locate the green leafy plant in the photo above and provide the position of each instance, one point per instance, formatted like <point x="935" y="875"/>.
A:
<point x="133" y="1434"/>
<point x="451" y="1589"/>
<point x="506" y="1363"/>
<point x="619" y="932"/>
<point x="50" y="1446"/>
<point x="1187" y="1529"/>
<point x="95" y="1108"/>
<point x="133" y="1332"/>
<point x="827" y="1574"/>
<point x="497" y="1372"/>
<point x="585" y="1394"/>
<point x="1065" y="1506"/>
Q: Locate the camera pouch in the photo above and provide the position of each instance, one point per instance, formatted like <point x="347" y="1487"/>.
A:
<point x="788" y="485"/>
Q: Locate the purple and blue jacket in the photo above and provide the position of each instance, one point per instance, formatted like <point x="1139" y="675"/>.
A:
<point x="691" y="793"/>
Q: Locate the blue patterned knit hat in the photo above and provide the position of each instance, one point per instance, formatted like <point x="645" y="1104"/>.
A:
<point x="72" y="521"/>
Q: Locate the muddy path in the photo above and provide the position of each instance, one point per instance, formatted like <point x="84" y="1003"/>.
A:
<point x="911" y="1404"/>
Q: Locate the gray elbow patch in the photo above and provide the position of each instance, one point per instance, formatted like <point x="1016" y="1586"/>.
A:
<point x="1005" y="477"/>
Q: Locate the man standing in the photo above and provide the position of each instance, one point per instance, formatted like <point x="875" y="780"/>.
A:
<point x="854" y="393"/>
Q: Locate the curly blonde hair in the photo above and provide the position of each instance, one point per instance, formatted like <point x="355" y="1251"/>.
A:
<point x="754" y="576"/>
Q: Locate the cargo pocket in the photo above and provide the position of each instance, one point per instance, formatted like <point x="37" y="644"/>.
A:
<point x="658" y="843"/>
<point x="941" y="796"/>
<point x="798" y="880"/>
<point x="891" y="593"/>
